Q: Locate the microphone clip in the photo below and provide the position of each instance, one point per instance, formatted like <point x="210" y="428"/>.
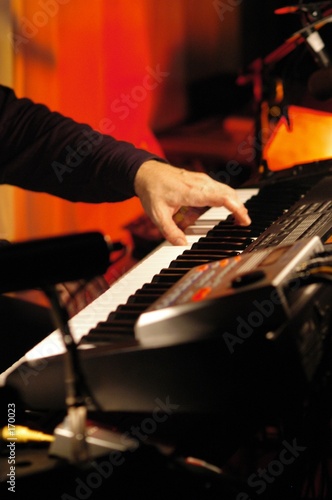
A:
<point x="311" y="15"/>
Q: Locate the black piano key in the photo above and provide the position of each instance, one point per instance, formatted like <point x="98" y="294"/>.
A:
<point x="222" y="254"/>
<point x="142" y="299"/>
<point x="136" y="308"/>
<point x="229" y="240"/>
<point x="230" y="232"/>
<point x="201" y="244"/>
<point x="254" y="226"/>
<point x="167" y="271"/>
<point x="231" y="229"/>
<point x="198" y="257"/>
<point x="194" y="261"/>
<point x="133" y="310"/>
<point x="228" y="223"/>
<point x="188" y="264"/>
<point x="162" y="278"/>
<point x="191" y="258"/>
<point x="123" y="315"/>
<point x="275" y="212"/>
<point x="96" y="336"/>
<point x="157" y="290"/>
<point x="121" y="325"/>
<point x="105" y="327"/>
<point x="169" y="276"/>
<point x="158" y="287"/>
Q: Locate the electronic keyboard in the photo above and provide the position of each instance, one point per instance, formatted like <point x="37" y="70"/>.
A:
<point x="126" y="376"/>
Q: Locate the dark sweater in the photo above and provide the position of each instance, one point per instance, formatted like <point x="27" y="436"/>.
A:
<point x="44" y="151"/>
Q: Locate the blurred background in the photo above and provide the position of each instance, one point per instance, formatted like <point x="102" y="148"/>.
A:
<point x="177" y="77"/>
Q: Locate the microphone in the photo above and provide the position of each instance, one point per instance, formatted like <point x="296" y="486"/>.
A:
<point x="317" y="47"/>
<point x="43" y="262"/>
<point x="320" y="84"/>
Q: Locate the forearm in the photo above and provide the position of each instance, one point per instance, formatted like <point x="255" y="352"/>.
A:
<point x="45" y="151"/>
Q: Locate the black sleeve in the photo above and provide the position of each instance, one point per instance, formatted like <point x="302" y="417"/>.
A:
<point x="44" y="151"/>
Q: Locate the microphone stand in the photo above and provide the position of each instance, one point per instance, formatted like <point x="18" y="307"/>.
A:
<point x="76" y="401"/>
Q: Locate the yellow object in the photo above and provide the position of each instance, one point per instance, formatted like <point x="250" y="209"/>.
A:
<point x="22" y="434"/>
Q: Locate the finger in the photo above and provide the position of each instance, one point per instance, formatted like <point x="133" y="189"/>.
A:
<point x="238" y="210"/>
<point x="171" y="231"/>
<point x="175" y="236"/>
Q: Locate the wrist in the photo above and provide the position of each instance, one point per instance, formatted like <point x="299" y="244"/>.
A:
<point x="145" y="174"/>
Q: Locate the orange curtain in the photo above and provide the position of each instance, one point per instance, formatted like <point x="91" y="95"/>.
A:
<point x="90" y="62"/>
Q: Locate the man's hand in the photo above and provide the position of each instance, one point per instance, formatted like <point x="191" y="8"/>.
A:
<point x="164" y="189"/>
